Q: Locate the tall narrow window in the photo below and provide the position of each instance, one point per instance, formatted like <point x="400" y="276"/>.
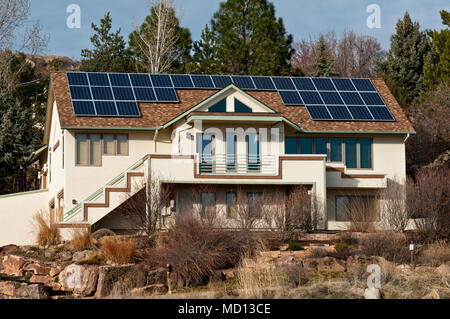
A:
<point x="291" y="145"/>
<point x="82" y="150"/>
<point x="109" y="144"/>
<point x="350" y="153"/>
<point x="254" y="204"/>
<point x="335" y="150"/>
<point x="231" y="205"/>
<point x="321" y="146"/>
<point x="122" y="144"/>
<point x="306" y="146"/>
<point x="208" y="204"/>
<point x="365" y="147"/>
<point x="253" y="152"/>
<point x="96" y="150"/>
<point x="231" y="151"/>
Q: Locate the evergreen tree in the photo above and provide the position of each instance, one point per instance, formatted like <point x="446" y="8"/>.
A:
<point x="160" y="44"/>
<point x="109" y="54"/>
<point x="250" y="40"/>
<point x="205" y="54"/>
<point x="437" y="69"/>
<point x="324" y="62"/>
<point x="403" y="69"/>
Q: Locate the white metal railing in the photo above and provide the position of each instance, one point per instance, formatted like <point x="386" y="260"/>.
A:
<point x="238" y="164"/>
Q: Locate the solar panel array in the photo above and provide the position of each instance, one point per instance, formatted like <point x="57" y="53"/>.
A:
<point x="331" y="99"/>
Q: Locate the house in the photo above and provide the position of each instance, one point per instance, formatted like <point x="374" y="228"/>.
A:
<point x="106" y="134"/>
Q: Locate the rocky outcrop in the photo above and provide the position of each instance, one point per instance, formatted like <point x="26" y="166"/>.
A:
<point x="17" y="290"/>
<point x="116" y="281"/>
<point x="81" y="280"/>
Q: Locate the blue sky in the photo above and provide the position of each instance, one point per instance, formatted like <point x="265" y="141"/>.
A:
<point x="301" y="17"/>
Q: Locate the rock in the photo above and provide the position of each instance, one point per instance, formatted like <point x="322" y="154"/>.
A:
<point x="357" y="291"/>
<point x="45" y="280"/>
<point x="157" y="276"/>
<point x="64" y="256"/>
<point x="151" y="290"/>
<point x="12" y="265"/>
<point x="38" y="268"/>
<point x="49" y="253"/>
<point x="80" y="255"/>
<point x="54" y="271"/>
<point x="443" y="269"/>
<point x="16" y="290"/>
<point x="99" y="234"/>
<point x="327" y="264"/>
<point x="82" y="280"/>
<point x="403" y="268"/>
<point x="229" y="273"/>
<point x="116" y="281"/>
<point x="285" y="260"/>
<point x="5" y="250"/>
<point x="355" y="263"/>
<point x="372" y="293"/>
<point x="284" y="247"/>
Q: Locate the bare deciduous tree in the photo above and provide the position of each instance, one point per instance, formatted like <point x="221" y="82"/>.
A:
<point x="157" y="38"/>
<point x="394" y="212"/>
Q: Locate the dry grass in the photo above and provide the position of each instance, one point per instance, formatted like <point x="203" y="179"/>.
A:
<point x="93" y="258"/>
<point x="81" y="239"/>
<point x="389" y="245"/>
<point x="435" y="254"/>
<point x="120" y="251"/>
<point x="47" y="231"/>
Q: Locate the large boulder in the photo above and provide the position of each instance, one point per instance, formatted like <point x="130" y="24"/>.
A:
<point x="116" y="281"/>
<point x="16" y="290"/>
<point x="81" y="280"/>
<point x="13" y="265"/>
<point x="38" y="268"/>
<point x="157" y="276"/>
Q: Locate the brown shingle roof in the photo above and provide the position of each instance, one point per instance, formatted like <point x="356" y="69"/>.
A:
<point x="157" y="114"/>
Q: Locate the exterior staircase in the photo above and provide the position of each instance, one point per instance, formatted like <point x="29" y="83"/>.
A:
<point x="107" y="198"/>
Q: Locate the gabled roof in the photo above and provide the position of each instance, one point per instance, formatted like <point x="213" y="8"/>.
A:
<point x="157" y="115"/>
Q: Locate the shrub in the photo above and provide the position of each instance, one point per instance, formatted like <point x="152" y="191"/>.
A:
<point x="389" y="245"/>
<point x="81" y="239"/>
<point x="195" y="250"/>
<point x="294" y="275"/>
<point x="117" y="250"/>
<point x="342" y="250"/>
<point x="47" y="231"/>
<point x="347" y="237"/>
<point x="294" y="246"/>
<point x="320" y="252"/>
<point x="435" y="254"/>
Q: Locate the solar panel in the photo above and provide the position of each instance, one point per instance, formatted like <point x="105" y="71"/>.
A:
<point x="221" y="81"/>
<point x="77" y="78"/>
<point x="128" y="109"/>
<point x="102" y="93"/>
<point x="83" y="108"/>
<point x="360" y="112"/>
<point x="263" y="83"/>
<point x="343" y="84"/>
<point x="141" y="80"/>
<point x="331" y="98"/>
<point x="166" y="95"/>
<point x="304" y="84"/>
<point x="123" y="94"/>
<point x="144" y="94"/>
<point x="339" y="112"/>
<point x="291" y="98"/>
<point x="351" y="98"/>
<point x="372" y="99"/>
<point x="311" y="97"/>
<point x="243" y="82"/>
<point x="98" y="79"/>
<point x="105" y="108"/>
<point x="323" y="84"/>
<point x="364" y="85"/>
<point x="119" y="79"/>
<point x="80" y="93"/>
<point x="202" y="81"/>
<point x="181" y="81"/>
<point x="318" y="112"/>
<point x="283" y="83"/>
<point x="381" y="113"/>
<point x="161" y="80"/>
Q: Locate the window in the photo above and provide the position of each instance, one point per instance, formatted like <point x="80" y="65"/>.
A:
<point x="351" y="160"/>
<point x="361" y="208"/>
<point x="253" y="152"/>
<point x="91" y="147"/>
<point x="109" y="144"/>
<point x="365" y="150"/>
<point x="219" y="107"/>
<point x="254" y="204"/>
<point x="208" y="204"/>
<point x="240" y="107"/>
<point x="231" y="151"/>
<point x="320" y="146"/>
<point x="290" y="145"/>
<point x="306" y="146"/>
<point x="115" y="144"/>
<point x="231" y="205"/>
<point x="335" y="150"/>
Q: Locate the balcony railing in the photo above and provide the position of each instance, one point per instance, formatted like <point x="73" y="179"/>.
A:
<point x="238" y="164"/>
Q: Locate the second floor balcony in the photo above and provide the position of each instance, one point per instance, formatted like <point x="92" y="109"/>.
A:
<point x="239" y="164"/>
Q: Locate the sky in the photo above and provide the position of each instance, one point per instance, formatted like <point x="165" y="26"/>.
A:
<point x="302" y="18"/>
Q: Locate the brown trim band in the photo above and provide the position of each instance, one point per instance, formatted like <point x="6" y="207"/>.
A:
<point x="343" y="175"/>
<point x="73" y="225"/>
<point x="55" y="146"/>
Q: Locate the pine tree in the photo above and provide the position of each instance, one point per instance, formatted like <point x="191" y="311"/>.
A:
<point x="324" y="62"/>
<point x="406" y="59"/>
<point x="437" y="69"/>
<point x="110" y="53"/>
<point x="250" y="40"/>
<point x="204" y="60"/>
<point x="160" y="44"/>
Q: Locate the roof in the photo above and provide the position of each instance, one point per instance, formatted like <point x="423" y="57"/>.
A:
<point x="156" y="115"/>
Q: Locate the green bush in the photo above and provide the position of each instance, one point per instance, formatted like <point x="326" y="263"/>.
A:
<point x="294" y="246"/>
